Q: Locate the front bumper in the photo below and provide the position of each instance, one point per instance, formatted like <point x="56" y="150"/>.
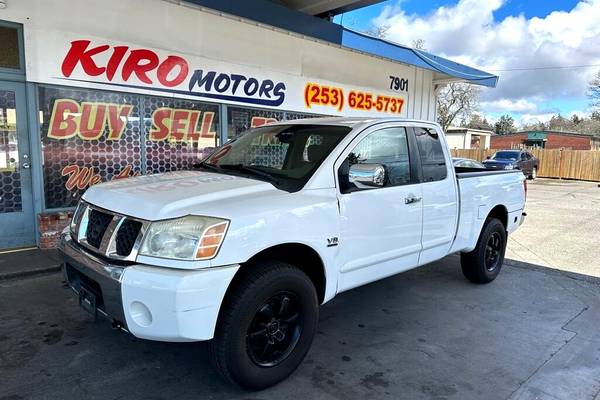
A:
<point x="154" y="303"/>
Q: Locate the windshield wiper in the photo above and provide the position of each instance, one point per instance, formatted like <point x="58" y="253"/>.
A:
<point x="252" y="171"/>
<point x="206" y="165"/>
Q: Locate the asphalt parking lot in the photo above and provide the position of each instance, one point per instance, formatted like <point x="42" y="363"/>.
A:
<point x="562" y="228"/>
<point x="424" y="334"/>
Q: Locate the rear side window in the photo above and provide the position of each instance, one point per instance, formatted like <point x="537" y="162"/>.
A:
<point x="433" y="161"/>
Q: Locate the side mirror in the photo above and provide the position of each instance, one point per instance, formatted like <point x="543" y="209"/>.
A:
<point x="367" y="175"/>
<point x="488" y="157"/>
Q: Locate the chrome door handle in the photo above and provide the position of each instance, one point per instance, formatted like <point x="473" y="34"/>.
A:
<point x="411" y="199"/>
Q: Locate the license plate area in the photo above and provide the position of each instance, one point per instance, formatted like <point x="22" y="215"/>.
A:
<point x="87" y="301"/>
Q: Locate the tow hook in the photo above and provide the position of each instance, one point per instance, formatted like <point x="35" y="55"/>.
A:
<point x="118" y="325"/>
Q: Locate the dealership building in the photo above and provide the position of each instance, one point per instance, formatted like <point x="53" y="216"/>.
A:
<point x="93" y="91"/>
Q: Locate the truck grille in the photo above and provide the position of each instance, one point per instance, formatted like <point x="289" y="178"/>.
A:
<point x="96" y="228"/>
<point x="112" y="235"/>
<point x="127" y="235"/>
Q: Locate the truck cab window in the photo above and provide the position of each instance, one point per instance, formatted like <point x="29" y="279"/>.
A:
<point x="387" y="147"/>
<point x="433" y="161"/>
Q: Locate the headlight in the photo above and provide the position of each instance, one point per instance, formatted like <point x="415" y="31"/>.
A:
<point x="187" y="238"/>
<point x="509" y="166"/>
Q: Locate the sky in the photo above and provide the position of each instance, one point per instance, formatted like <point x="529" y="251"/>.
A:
<point x="499" y="35"/>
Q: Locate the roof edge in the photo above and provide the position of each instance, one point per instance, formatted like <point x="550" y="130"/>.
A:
<point x="279" y="16"/>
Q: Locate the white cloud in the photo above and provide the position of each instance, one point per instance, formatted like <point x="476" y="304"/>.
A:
<point x="508" y="105"/>
<point x="467" y="32"/>
<point x="534" y="118"/>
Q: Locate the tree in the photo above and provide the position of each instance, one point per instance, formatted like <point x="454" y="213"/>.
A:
<point x="456" y="100"/>
<point x="594" y="90"/>
<point x="419" y="44"/>
<point x="561" y="124"/>
<point x="506" y="124"/>
<point x="478" y="122"/>
<point x="378" y="31"/>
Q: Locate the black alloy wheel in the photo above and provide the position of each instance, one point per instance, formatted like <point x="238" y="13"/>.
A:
<point x="266" y="324"/>
<point x="492" y="251"/>
<point x="275" y="330"/>
<point x="483" y="263"/>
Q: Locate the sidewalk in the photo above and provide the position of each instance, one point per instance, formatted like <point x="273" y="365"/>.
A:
<point x="20" y="263"/>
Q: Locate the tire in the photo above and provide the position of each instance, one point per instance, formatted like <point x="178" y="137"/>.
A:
<point x="483" y="264"/>
<point x="243" y="334"/>
<point x="533" y="174"/>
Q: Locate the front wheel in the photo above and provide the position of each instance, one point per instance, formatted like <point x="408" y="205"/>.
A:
<point x="533" y="174"/>
<point x="266" y="325"/>
<point x="483" y="264"/>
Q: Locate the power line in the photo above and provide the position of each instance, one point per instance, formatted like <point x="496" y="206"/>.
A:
<point x="545" y="68"/>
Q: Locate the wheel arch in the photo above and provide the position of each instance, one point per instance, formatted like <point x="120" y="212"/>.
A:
<point x="499" y="212"/>
<point x="300" y="255"/>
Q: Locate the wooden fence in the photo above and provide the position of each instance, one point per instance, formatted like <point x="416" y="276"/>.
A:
<point x="568" y="164"/>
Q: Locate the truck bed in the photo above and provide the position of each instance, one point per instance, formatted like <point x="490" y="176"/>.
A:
<point x="479" y="191"/>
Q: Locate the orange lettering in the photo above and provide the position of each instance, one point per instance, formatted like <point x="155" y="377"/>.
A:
<point x="161" y="118"/>
<point x="63" y="122"/>
<point x="95" y="113"/>
<point x="179" y="125"/>
<point x="117" y="120"/>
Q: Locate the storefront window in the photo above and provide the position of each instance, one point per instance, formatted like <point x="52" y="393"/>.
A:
<point x="9" y="50"/>
<point x="10" y="178"/>
<point x="178" y="132"/>
<point x="297" y="115"/>
<point x="88" y="136"/>
<point x="242" y="119"/>
<point x="92" y="136"/>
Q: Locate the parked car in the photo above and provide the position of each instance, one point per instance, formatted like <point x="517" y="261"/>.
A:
<point x="514" y="159"/>
<point x="243" y="250"/>
<point x="466" y="163"/>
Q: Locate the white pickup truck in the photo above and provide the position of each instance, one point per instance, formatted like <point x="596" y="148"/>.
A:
<point x="242" y="250"/>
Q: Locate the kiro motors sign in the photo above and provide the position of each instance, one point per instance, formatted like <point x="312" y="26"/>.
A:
<point x="128" y="68"/>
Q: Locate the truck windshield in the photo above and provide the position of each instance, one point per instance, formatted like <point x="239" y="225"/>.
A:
<point x="284" y="155"/>
<point x="506" y="155"/>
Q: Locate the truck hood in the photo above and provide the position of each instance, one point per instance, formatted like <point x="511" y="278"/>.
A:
<point x="173" y="194"/>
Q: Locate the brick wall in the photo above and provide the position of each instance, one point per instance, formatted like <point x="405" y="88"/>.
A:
<point x="556" y="141"/>
<point x="51" y="225"/>
<point x="507" y="141"/>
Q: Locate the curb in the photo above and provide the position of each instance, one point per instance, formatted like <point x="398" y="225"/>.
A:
<point x="553" y="271"/>
<point x="31" y="272"/>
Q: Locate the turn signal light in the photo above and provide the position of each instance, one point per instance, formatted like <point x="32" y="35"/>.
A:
<point x="211" y="241"/>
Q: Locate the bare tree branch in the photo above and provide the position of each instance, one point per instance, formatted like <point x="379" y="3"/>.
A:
<point x="456" y="100"/>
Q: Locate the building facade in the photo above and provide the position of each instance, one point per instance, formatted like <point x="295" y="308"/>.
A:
<point x="467" y="138"/>
<point x="546" y="140"/>
<point x="96" y="91"/>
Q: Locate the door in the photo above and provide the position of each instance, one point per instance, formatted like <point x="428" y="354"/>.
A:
<point x="16" y="204"/>
<point x="440" y="201"/>
<point x="380" y="227"/>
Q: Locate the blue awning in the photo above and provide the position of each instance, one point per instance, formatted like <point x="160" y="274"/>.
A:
<point x="383" y="48"/>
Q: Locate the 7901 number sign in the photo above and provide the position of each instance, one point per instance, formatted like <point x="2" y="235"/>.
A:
<point x="398" y="84"/>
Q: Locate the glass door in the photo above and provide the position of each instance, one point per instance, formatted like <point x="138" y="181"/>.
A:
<point x="17" y="226"/>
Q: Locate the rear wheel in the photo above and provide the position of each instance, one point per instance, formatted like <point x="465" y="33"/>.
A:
<point x="483" y="264"/>
<point x="266" y="325"/>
